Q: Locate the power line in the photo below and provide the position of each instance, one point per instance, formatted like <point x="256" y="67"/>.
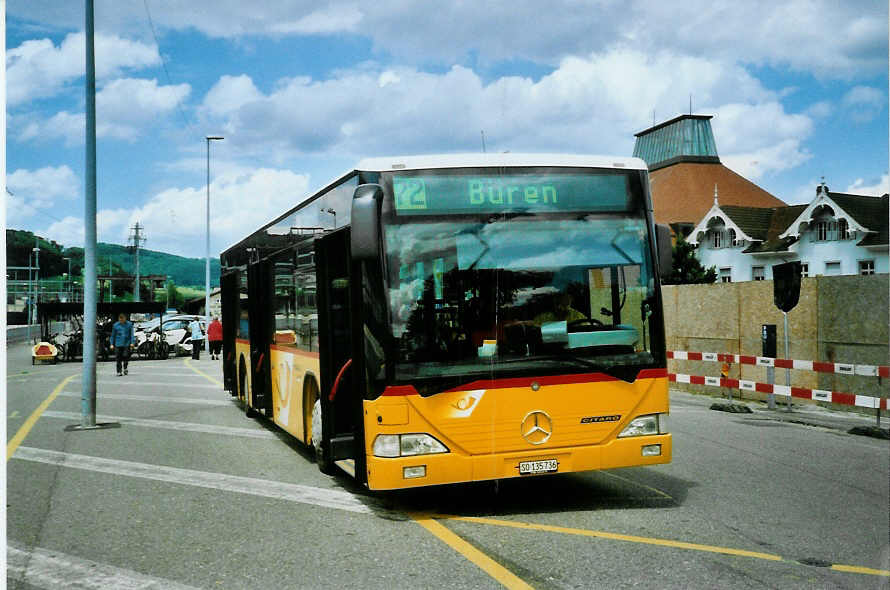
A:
<point x="36" y="209"/>
<point x="164" y="63"/>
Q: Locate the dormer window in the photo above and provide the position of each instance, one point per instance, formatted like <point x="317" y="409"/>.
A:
<point x="827" y="228"/>
<point x="720" y="236"/>
<point x="723" y="238"/>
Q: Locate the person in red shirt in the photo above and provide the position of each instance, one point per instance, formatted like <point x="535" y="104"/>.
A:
<point x="215" y="336"/>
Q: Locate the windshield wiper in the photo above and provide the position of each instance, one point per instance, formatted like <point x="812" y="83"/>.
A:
<point x="569" y="358"/>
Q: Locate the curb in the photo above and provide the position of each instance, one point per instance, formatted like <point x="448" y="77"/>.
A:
<point x="872" y="431"/>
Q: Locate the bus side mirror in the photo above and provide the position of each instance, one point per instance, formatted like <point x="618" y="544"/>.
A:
<point x="665" y="250"/>
<point x="365" y="232"/>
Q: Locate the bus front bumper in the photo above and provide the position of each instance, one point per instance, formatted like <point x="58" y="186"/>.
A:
<point x="446" y="468"/>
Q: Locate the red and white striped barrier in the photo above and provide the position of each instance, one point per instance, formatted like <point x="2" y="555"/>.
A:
<point x="820" y="395"/>
<point x="765" y="361"/>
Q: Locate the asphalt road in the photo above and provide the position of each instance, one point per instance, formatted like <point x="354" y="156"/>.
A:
<point x="189" y="493"/>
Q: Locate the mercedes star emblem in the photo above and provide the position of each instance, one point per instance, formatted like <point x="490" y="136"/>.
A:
<point x="536" y="427"/>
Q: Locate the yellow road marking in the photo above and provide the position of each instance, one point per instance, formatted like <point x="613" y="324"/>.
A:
<point x="617" y="537"/>
<point x="13" y="444"/>
<point x="636" y="483"/>
<point x="652" y="541"/>
<point x="855" y="569"/>
<point x="501" y="574"/>
<point x="201" y="373"/>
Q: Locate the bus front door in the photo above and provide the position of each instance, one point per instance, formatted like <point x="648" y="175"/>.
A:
<point x="230" y="312"/>
<point x="340" y="428"/>
<point x="260" y="310"/>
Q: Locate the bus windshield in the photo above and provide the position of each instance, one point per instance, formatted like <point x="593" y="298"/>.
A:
<point x="519" y="293"/>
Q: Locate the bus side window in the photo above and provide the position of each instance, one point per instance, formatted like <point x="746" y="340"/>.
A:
<point x="306" y="318"/>
<point x="284" y="302"/>
<point x="243" y="323"/>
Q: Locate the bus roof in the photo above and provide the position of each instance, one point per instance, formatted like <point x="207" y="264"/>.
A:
<point x="472" y="160"/>
<point x="388" y="164"/>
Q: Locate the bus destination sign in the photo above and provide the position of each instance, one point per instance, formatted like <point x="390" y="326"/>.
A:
<point x="459" y="194"/>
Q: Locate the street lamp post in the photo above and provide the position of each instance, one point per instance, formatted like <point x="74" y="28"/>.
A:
<point x="208" y="138"/>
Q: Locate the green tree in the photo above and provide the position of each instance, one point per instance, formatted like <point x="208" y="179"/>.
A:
<point x="686" y="268"/>
<point x="174" y="297"/>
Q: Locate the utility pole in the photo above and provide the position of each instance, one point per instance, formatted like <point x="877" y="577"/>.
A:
<point x="208" y="138"/>
<point x="136" y="238"/>
<point x="30" y="293"/>
<point x="36" y="274"/>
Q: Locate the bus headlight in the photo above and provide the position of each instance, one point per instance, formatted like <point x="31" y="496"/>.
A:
<point x="406" y="445"/>
<point x="646" y="425"/>
<point x="386" y="445"/>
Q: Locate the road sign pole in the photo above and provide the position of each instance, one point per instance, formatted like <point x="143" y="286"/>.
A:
<point x="787" y="356"/>
<point x="786" y="294"/>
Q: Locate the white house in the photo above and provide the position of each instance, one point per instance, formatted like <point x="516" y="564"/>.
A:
<point x="834" y="234"/>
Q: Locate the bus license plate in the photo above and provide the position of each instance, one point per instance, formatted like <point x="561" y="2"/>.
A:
<point x="532" y="467"/>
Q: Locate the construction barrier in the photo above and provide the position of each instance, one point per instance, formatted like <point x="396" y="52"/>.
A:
<point x="765" y="361"/>
<point x="819" y="395"/>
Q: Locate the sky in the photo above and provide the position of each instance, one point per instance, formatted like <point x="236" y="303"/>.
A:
<point x="302" y="90"/>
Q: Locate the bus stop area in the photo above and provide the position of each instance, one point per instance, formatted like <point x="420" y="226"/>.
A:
<point x="189" y="493"/>
<point x="155" y="336"/>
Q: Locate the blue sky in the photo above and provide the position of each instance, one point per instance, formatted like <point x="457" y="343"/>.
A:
<point x="302" y="90"/>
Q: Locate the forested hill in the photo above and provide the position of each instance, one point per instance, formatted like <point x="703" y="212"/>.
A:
<point x="184" y="271"/>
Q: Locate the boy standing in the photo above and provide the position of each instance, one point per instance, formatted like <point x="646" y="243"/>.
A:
<point x="122" y="342"/>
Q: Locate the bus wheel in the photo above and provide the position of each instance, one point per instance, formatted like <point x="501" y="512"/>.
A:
<point x="325" y="465"/>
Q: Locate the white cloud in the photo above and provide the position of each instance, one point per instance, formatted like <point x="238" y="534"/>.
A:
<point x="820" y="109"/>
<point x="881" y="187"/>
<point x="68" y="231"/>
<point x="129" y="104"/>
<point x="174" y="218"/>
<point x="863" y="103"/>
<point x="753" y="165"/>
<point x="38" y="69"/>
<point x="756" y="139"/>
<point x="111" y="226"/>
<point x="577" y="108"/>
<point x="845" y="40"/>
<point x="231" y="93"/>
<point x="124" y="107"/>
<point x="333" y="19"/>
<point x="33" y="190"/>
<point x="69" y="127"/>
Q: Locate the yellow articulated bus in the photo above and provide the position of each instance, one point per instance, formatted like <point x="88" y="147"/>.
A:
<point x="439" y="319"/>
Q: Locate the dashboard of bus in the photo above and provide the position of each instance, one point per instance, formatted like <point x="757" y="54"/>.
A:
<point x="479" y="287"/>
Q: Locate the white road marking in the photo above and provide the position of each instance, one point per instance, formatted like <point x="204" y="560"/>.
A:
<point x="51" y="569"/>
<point x="129" y="381"/>
<point x="151" y="398"/>
<point x="326" y="497"/>
<point x="170" y="425"/>
<point x="140" y="370"/>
